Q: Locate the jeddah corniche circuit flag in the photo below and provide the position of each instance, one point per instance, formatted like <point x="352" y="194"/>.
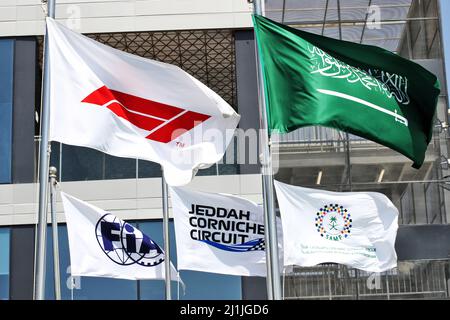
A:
<point x="129" y="106"/>
<point x="357" y="229"/>
<point x="102" y="245"/>
<point x="219" y="233"/>
<point x="365" y="90"/>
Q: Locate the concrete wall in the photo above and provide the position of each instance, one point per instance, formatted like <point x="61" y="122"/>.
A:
<point x="247" y="93"/>
<point x="126" y="198"/>
<point x="26" y="17"/>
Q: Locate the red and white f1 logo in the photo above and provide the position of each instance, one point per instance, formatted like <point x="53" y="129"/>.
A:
<point x="163" y="121"/>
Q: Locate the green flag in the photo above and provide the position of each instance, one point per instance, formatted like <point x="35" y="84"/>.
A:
<point x="364" y="90"/>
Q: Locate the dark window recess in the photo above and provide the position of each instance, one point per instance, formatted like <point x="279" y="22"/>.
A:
<point x="55" y="155"/>
<point x="119" y="168"/>
<point x="148" y="169"/>
<point x="79" y="163"/>
<point x="211" y="171"/>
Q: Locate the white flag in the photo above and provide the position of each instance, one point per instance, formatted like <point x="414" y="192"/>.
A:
<point x="129" y="106"/>
<point x="219" y="233"/>
<point x="102" y="245"/>
<point x="357" y="229"/>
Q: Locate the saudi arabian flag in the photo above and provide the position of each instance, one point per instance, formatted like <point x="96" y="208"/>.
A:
<point x="364" y="90"/>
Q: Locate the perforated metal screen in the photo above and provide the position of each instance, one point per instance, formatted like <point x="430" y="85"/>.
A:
<point x="208" y="55"/>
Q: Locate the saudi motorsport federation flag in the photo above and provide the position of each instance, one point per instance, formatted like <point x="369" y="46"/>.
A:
<point x="365" y="90"/>
<point x="357" y="229"/>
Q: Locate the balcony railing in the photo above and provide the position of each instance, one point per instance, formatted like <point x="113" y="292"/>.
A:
<point x="418" y="279"/>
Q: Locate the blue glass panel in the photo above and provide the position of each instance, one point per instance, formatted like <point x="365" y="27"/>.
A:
<point x="155" y="289"/>
<point x="210" y="286"/>
<point x="199" y="285"/>
<point x="88" y="288"/>
<point x="6" y="107"/>
<point x="4" y="263"/>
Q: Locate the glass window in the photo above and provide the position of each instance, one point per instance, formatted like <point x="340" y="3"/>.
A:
<point x="229" y="163"/>
<point x="55" y="155"/>
<point x="211" y="171"/>
<point x="79" y="163"/>
<point x="4" y="263"/>
<point x="155" y="289"/>
<point x="225" y="169"/>
<point x="148" y="169"/>
<point x="6" y="107"/>
<point x="119" y="168"/>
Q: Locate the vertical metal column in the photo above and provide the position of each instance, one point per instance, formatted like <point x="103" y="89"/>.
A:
<point x="165" y="203"/>
<point x="273" y="268"/>
<point x="44" y="155"/>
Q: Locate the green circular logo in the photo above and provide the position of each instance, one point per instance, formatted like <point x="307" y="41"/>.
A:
<point x="333" y="222"/>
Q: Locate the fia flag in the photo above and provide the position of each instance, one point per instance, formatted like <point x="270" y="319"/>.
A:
<point x="102" y="245"/>
<point x="365" y="90"/>
<point x="128" y="106"/>
<point x="357" y="229"/>
<point x="219" y="233"/>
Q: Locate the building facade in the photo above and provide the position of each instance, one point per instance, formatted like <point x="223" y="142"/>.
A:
<point x="213" y="40"/>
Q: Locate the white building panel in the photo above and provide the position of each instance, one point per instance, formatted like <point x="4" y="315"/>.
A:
<point x="126" y="198"/>
<point x="26" y="17"/>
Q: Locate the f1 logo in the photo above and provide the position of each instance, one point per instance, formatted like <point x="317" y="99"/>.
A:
<point x="164" y="122"/>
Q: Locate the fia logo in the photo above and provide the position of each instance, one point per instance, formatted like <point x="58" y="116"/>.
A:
<point x="126" y="245"/>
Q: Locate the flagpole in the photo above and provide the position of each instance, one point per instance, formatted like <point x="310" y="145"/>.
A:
<point x="57" y="278"/>
<point x="44" y="155"/>
<point x="273" y="268"/>
<point x="165" y="203"/>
